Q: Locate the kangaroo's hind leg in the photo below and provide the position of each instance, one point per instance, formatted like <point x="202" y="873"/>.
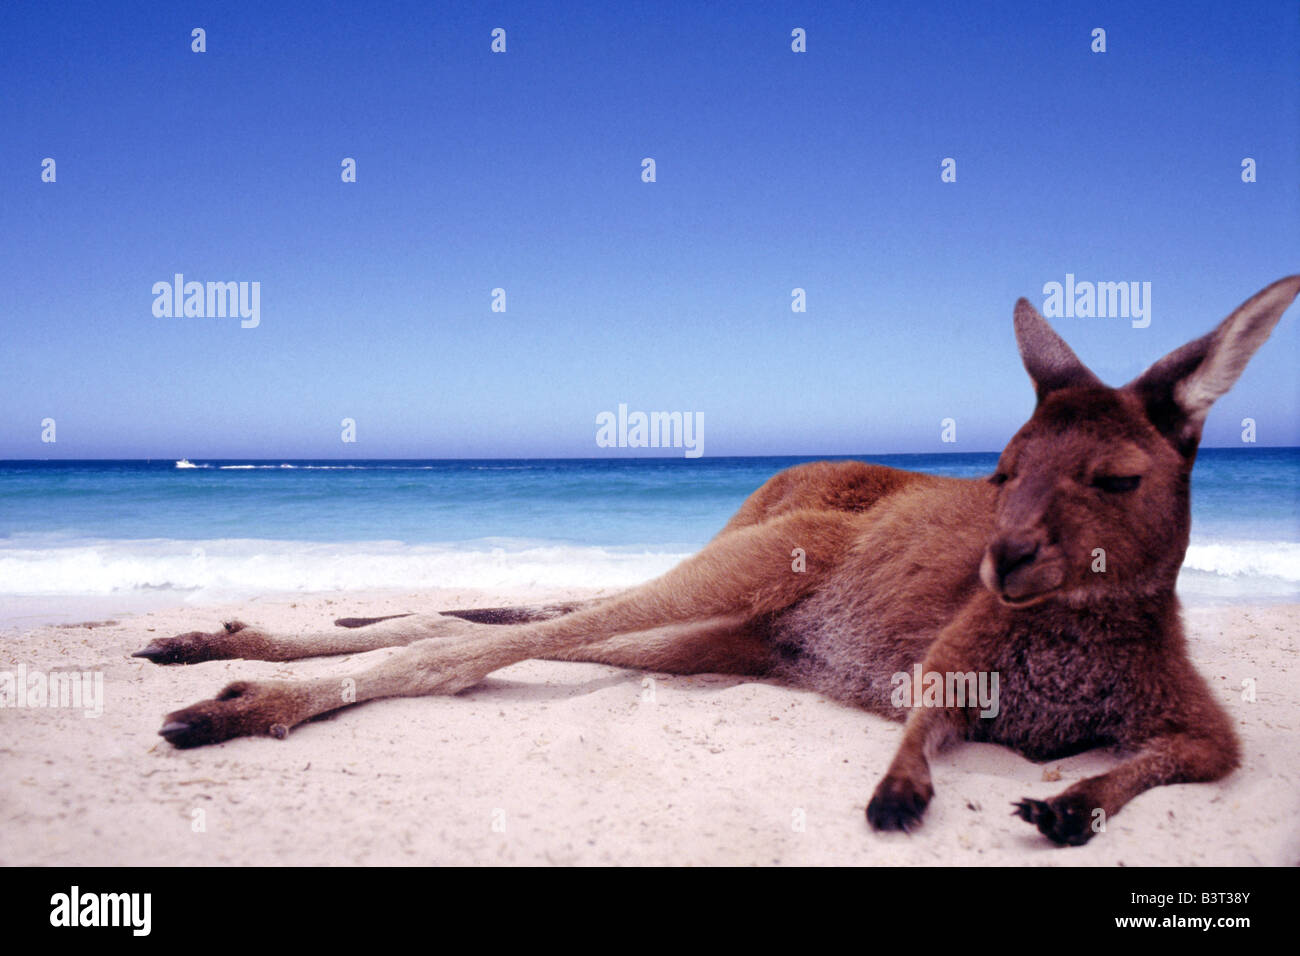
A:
<point x="350" y="635"/>
<point x="445" y="666"/>
<point x="718" y="646"/>
<point x="236" y="639"/>
<point x="715" y="646"/>
<point x="523" y="614"/>
<point x="717" y="597"/>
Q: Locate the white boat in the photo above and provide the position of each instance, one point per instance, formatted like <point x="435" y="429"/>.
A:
<point x="185" y="463"/>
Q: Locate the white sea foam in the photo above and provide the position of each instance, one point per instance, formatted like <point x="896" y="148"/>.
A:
<point x="1236" y="559"/>
<point x="57" y="565"/>
<point x="240" y="567"/>
<point x="246" y="467"/>
<point x="1236" y="571"/>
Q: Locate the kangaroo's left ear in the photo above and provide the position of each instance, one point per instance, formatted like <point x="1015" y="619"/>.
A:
<point x="1179" y="389"/>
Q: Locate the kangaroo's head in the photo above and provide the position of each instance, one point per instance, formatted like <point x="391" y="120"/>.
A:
<point x="1092" y="493"/>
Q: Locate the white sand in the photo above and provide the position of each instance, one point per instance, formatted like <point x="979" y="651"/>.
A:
<point x="577" y="765"/>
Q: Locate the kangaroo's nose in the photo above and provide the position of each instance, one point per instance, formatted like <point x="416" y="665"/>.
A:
<point x="1009" y="554"/>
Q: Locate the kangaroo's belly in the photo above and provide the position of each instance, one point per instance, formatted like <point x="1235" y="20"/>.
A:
<point x="913" y="564"/>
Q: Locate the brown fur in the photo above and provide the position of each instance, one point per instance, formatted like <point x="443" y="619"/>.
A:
<point x="989" y="576"/>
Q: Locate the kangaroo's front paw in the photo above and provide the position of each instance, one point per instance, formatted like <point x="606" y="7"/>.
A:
<point x="242" y="709"/>
<point x="899" y="803"/>
<point x="235" y="639"/>
<point x="1066" y="820"/>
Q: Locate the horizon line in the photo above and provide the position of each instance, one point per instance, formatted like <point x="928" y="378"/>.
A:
<point x="160" y="458"/>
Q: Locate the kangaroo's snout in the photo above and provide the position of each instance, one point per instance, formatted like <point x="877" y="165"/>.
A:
<point x="1010" y="554"/>
<point x="1020" y="569"/>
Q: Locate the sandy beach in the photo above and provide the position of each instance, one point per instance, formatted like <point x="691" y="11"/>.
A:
<point x="557" y="763"/>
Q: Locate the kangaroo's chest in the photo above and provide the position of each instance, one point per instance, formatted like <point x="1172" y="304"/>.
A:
<point x="1055" y="698"/>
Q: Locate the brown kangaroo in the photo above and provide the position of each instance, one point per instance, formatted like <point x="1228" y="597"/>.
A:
<point x="1056" y="574"/>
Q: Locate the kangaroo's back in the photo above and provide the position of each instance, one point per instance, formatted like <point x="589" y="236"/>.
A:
<point x="849" y="486"/>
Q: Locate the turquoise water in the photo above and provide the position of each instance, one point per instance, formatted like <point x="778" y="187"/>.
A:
<point x="225" y="528"/>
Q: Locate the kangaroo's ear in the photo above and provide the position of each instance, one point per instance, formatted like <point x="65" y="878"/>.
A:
<point x="1179" y="389"/>
<point x="1048" y="360"/>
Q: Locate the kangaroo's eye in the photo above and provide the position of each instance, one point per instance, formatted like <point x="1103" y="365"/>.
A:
<point x="1116" y="483"/>
<point x="998" y="478"/>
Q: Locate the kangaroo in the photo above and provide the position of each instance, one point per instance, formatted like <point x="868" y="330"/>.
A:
<point x="998" y="576"/>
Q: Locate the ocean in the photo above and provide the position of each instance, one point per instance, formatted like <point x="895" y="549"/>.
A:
<point x="162" y="531"/>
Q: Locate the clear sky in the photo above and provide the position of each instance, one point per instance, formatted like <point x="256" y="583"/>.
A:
<point x="523" y="171"/>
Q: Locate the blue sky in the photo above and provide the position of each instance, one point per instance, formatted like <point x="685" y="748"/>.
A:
<point x="522" y="170"/>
